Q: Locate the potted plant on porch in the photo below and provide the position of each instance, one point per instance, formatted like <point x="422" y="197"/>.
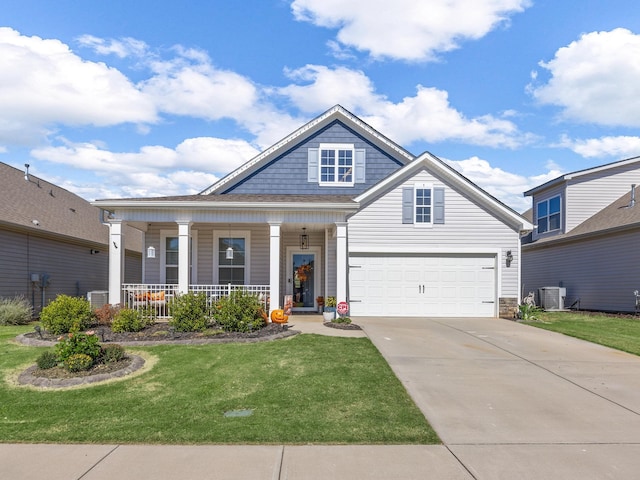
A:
<point x="329" y="312"/>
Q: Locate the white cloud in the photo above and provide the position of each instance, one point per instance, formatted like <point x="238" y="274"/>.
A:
<point x="620" y="146"/>
<point x="407" y="29"/>
<point x="191" y="85"/>
<point x="122" y="48"/>
<point x="45" y="84"/>
<point x="153" y="170"/>
<point x="506" y="187"/>
<point x="427" y="116"/>
<point x="596" y="79"/>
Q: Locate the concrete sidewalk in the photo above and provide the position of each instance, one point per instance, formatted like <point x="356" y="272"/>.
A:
<point x="509" y="402"/>
<point x="177" y="462"/>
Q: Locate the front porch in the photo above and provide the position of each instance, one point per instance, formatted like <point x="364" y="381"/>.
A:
<point x="274" y="260"/>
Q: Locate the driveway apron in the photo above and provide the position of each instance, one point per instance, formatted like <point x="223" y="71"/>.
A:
<point x="513" y="401"/>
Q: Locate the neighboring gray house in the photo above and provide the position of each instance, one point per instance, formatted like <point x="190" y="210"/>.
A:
<point x="53" y="241"/>
<point x="586" y="238"/>
<point x="334" y="209"/>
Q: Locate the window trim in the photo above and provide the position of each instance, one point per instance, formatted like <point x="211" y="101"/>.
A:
<point x="336" y="147"/>
<point x="549" y="214"/>
<point x="422" y="186"/>
<point x="246" y="234"/>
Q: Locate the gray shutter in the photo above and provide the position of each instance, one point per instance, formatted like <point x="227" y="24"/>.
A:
<point x="407" y="205"/>
<point x="360" y="165"/>
<point x="438" y="205"/>
<point x="312" y="165"/>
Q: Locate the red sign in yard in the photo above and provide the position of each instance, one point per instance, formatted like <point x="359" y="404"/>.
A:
<point x="343" y="308"/>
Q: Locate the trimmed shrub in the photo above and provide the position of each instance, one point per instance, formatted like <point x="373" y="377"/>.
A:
<point x="239" y="312"/>
<point x="343" y="320"/>
<point x="78" y="343"/>
<point x="189" y="312"/>
<point x="78" y="362"/>
<point x="15" y="311"/>
<point x="111" y="353"/>
<point x="66" y="314"/>
<point x="47" y="360"/>
<point x="129" y="320"/>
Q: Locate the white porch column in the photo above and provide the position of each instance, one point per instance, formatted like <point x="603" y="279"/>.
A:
<point x="116" y="261"/>
<point x="341" y="261"/>
<point x="274" y="265"/>
<point x="184" y="231"/>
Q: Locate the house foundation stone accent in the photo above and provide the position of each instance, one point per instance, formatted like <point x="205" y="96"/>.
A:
<point x="508" y="307"/>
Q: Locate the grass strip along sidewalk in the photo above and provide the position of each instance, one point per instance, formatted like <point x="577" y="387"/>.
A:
<point x="306" y="389"/>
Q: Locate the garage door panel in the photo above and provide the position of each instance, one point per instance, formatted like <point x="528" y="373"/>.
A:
<point x="423" y="285"/>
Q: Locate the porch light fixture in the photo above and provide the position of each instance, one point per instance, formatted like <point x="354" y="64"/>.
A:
<point x="509" y="258"/>
<point x="304" y="239"/>
<point x="151" y="252"/>
<point x="229" y="254"/>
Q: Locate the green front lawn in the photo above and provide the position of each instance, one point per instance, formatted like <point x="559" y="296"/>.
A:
<point x="622" y="333"/>
<point x="306" y="389"/>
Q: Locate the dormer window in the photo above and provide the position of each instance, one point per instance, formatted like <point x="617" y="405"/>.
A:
<point x="336" y="164"/>
<point x="549" y="215"/>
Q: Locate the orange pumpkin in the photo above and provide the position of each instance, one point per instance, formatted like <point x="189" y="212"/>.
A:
<point x="278" y="316"/>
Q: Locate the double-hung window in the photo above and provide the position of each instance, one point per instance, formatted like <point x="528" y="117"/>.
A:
<point x="337" y="164"/>
<point x="233" y="267"/>
<point x="423" y="204"/>
<point x="548" y="213"/>
<point x="170" y="256"/>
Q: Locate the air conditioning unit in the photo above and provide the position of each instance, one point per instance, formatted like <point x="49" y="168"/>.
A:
<point x="98" y="298"/>
<point x="552" y="298"/>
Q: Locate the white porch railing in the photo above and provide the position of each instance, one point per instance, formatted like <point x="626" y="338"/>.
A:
<point x="144" y="295"/>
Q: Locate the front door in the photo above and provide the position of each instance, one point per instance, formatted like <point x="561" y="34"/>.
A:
<point x="303" y="279"/>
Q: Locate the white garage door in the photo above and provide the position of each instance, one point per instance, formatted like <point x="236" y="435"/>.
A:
<point x="422" y="285"/>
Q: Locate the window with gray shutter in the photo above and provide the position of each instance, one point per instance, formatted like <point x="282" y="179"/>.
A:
<point x="438" y="205"/>
<point x="407" y="205"/>
<point x="360" y="165"/>
<point x="312" y="165"/>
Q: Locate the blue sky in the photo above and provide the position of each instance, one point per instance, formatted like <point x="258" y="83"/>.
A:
<point x="147" y="98"/>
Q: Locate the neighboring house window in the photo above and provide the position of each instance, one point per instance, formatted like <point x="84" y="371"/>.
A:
<point x="549" y="215"/>
<point x="336" y="165"/>
<point x="423" y="205"/>
<point x="233" y="270"/>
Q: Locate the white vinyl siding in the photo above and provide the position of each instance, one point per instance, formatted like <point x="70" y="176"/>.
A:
<point x="468" y="227"/>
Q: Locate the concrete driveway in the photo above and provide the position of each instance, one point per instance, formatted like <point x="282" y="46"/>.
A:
<point x="512" y="401"/>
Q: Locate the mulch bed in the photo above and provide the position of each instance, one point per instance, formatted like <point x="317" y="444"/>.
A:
<point x="60" y="372"/>
<point x="342" y="326"/>
<point x="163" y="333"/>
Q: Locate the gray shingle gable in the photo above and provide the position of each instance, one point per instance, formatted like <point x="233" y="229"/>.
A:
<point x="287" y="173"/>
